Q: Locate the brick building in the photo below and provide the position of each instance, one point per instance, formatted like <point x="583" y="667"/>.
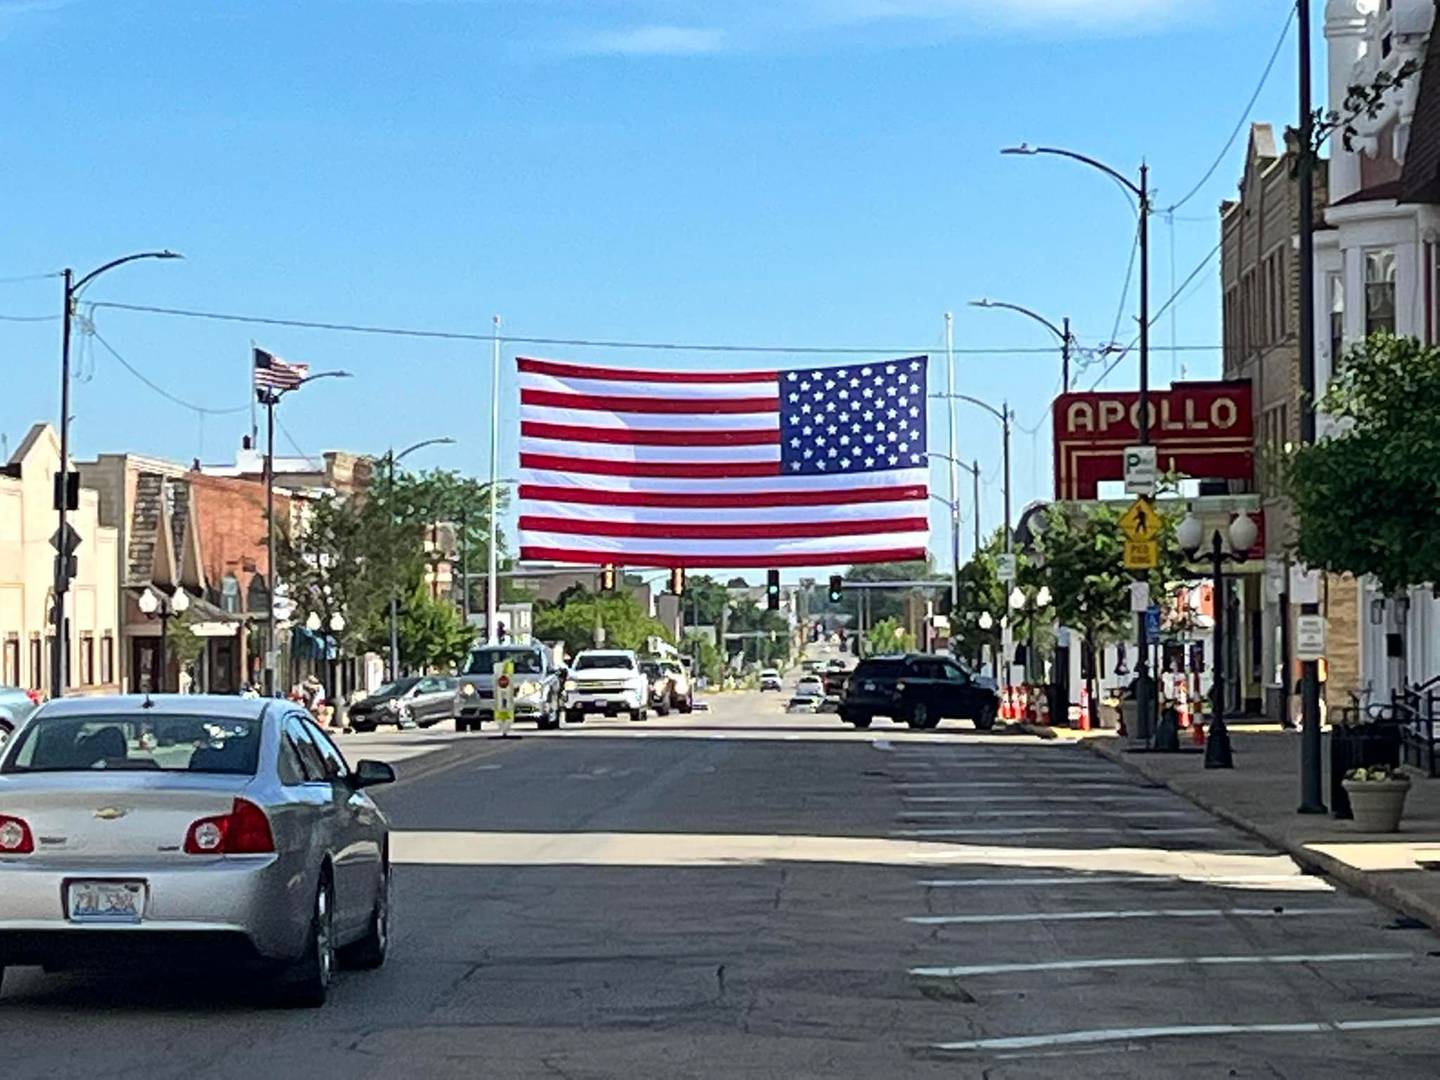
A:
<point x="1261" y="283"/>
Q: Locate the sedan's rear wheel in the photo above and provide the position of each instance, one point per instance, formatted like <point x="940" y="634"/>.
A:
<point x="574" y="716"/>
<point x="860" y="720"/>
<point x="307" y="984"/>
<point x="919" y="718"/>
<point x="638" y="715"/>
<point x="985" y="719"/>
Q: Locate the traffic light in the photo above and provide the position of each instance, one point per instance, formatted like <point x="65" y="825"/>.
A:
<point x="836" y="588"/>
<point x="607" y="577"/>
<point x="677" y="580"/>
<point x="772" y="590"/>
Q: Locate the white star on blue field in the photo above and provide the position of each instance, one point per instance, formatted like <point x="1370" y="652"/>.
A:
<point x="858" y="418"/>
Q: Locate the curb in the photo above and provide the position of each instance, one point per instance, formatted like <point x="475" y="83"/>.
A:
<point x="1040" y="731"/>
<point x="1367" y="883"/>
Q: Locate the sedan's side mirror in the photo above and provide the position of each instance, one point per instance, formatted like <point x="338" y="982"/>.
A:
<point x="372" y="773"/>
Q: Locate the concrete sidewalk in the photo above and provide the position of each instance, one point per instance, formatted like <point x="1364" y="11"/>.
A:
<point x="1259" y="795"/>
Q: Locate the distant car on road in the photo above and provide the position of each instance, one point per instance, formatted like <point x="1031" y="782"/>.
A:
<point x="16" y="705"/>
<point x="920" y="690"/>
<point x="770" y="680"/>
<point x="606" y="681"/>
<point x="682" y="693"/>
<point x="803" y="703"/>
<point x="810" y="686"/>
<point x="537" y="686"/>
<point x="186" y="830"/>
<point x="414" y="701"/>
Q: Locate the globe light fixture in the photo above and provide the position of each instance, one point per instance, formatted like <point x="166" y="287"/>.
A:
<point x="180" y="602"/>
<point x="337" y="623"/>
<point x="986" y="620"/>
<point x="1043" y="597"/>
<point x="148" y="603"/>
<point x="312" y="622"/>
<point x="1017" y="598"/>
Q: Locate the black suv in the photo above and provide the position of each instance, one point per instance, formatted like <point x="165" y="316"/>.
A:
<point x="920" y="690"/>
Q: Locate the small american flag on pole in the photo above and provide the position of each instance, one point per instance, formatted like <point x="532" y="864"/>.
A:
<point x="816" y="466"/>
<point x="272" y="373"/>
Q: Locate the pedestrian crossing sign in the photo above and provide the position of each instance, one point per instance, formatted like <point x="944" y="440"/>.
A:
<point x="1141" y="523"/>
<point x="1142" y="554"/>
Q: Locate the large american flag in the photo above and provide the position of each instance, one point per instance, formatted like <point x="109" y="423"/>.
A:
<point x="272" y="373"/>
<point x="816" y="466"/>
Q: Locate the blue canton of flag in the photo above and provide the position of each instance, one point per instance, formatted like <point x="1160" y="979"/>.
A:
<point x="855" y="419"/>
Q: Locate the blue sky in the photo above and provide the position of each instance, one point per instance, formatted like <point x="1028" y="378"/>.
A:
<point x="790" y="172"/>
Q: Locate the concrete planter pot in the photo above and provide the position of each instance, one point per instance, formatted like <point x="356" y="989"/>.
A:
<point x="1377" y="804"/>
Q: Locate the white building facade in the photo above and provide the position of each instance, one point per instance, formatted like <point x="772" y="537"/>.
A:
<point x="1377" y="263"/>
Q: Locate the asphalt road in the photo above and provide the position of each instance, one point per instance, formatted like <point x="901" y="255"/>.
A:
<point x="745" y="894"/>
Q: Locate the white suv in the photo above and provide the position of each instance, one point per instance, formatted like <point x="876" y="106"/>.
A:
<point x="606" y="681"/>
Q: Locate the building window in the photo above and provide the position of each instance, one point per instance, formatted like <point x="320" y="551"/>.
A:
<point x="1337" y="318"/>
<point x="107" y="660"/>
<point x="1278" y="298"/>
<point x="37" y="664"/>
<point x="11" y="673"/>
<point x="87" y="659"/>
<point x="230" y="594"/>
<point x="1379" y="291"/>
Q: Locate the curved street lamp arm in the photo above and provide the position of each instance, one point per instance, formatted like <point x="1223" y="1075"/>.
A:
<point x="1003" y="417"/>
<point x="443" y="440"/>
<point x="323" y="375"/>
<point x="1083" y="159"/>
<point x="1023" y="311"/>
<point x="93" y="274"/>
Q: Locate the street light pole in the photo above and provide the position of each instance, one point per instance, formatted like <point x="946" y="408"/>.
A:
<point x="1062" y="334"/>
<point x="1144" y="699"/>
<point x="271" y="396"/>
<point x="73" y="288"/>
<point x="392" y="458"/>
<point x="954" y="470"/>
<point x="1312" y="785"/>
<point x="492" y="584"/>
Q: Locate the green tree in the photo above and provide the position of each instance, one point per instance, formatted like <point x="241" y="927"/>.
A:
<point x="433" y="636"/>
<point x="1081" y="553"/>
<point x="1367" y="499"/>
<point x="708" y="659"/>
<point x="704" y="601"/>
<point x="887" y="636"/>
<point x="626" y="624"/>
<point x="748" y="617"/>
<point x="421" y="501"/>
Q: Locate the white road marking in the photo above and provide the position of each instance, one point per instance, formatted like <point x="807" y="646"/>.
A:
<point x="1052" y="830"/>
<point x="1156" y="961"/>
<point x="986" y="785"/>
<point x="1104" y="1035"/>
<point x="915" y="815"/>
<point x="1302" y="882"/>
<point x="980" y="800"/>
<point x="1142" y="913"/>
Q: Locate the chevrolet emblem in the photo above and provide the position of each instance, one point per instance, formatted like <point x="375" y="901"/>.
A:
<point x="110" y="813"/>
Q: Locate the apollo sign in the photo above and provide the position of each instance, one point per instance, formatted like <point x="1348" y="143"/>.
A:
<point x="1204" y="430"/>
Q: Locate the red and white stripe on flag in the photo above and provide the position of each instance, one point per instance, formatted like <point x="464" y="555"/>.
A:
<point x="684" y="468"/>
<point x="272" y="373"/>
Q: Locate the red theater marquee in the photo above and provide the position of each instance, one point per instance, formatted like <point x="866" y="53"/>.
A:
<point x="1204" y="430"/>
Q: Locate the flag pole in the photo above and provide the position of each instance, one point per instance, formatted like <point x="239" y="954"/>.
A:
<point x="254" y="400"/>
<point x="492" y="596"/>
<point x="954" y="468"/>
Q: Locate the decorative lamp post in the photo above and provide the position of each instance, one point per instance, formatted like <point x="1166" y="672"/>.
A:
<point x="1241" y="535"/>
<point x="337" y="627"/>
<point x="154" y="606"/>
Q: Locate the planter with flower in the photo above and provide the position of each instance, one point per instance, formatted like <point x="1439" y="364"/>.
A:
<point x="1377" y="797"/>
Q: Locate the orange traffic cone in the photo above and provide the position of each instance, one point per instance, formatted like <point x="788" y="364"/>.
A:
<point x="1197" y="732"/>
<point x="1084" y="710"/>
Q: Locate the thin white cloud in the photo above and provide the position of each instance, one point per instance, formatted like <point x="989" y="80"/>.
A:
<point x="654" y="41"/>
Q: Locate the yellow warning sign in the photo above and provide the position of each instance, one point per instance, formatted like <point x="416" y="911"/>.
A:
<point x="1142" y="554"/>
<point x="1141" y="522"/>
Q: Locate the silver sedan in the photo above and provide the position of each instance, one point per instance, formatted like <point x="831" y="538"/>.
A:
<point x="186" y="830"/>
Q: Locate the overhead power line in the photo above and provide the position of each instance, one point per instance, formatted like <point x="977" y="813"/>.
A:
<point x="596" y="343"/>
<point x="1244" y="116"/>
<point x="1156" y="317"/>
<point x="156" y="387"/>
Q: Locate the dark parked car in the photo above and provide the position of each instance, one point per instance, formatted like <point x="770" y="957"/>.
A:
<point x="919" y="690"/>
<point x="417" y="701"/>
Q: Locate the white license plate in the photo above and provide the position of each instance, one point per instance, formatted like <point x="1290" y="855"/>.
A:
<point x="105" y="901"/>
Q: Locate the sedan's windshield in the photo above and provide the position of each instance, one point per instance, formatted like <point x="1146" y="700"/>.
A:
<point x="197" y="744"/>
<point x="483" y="661"/>
<point x="591" y="661"/>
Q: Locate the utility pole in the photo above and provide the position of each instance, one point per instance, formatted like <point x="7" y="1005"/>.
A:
<point x="62" y="498"/>
<point x="492" y="582"/>
<point x="271" y="568"/>
<point x="1144" y="698"/>
<point x="953" y="462"/>
<point x="1312" y="800"/>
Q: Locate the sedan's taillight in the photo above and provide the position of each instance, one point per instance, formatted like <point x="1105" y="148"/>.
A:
<point x="243" y="831"/>
<point x="15" y="836"/>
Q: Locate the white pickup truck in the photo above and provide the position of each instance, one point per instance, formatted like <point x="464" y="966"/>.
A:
<point x="606" y="681"/>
